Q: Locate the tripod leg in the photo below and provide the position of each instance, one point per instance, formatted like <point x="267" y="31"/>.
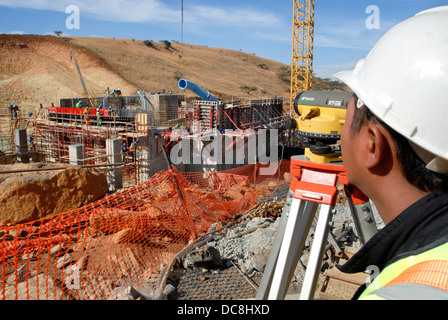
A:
<point x="265" y="284"/>
<point x="297" y="228"/>
<point x="362" y="213"/>
<point x="317" y="252"/>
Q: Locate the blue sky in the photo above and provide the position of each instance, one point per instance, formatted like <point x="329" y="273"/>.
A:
<point x="262" y="27"/>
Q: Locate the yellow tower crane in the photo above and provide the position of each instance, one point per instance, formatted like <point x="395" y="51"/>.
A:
<point x="302" y="48"/>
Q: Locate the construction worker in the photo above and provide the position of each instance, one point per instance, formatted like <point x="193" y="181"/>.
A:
<point x="98" y="117"/>
<point x="32" y="143"/>
<point x="124" y="150"/>
<point x="86" y="113"/>
<point x="16" y="111"/>
<point x="11" y="111"/>
<point x="79" y="104"/>
<point x="132" y="149"/>
<point x="394" y="150"/>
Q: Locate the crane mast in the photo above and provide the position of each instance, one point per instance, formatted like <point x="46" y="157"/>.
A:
<point x="85" y="93"/>
<point x="302" y="48"/>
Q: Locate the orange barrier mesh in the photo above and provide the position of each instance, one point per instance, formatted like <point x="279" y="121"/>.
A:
<point x="124" y="238"/>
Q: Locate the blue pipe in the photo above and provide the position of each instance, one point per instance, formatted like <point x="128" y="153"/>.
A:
<point x="143" y="98"/>
<point x="104" y="100"/>
<point x="185" y="84"/>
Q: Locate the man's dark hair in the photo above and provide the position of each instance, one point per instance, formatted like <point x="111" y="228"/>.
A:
<point x="414" y="169"/>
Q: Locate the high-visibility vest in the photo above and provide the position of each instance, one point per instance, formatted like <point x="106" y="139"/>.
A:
<point x="418" y="277"/>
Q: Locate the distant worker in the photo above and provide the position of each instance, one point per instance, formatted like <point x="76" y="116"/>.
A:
<point x="86" y="113"/>
<point x="132" y="149"/>
<point x="111" y="111"/>
<point x="32" y="143"/>
<point x="16" y="111"/>
<point x="79" y="104"/>
<point x="395" y="151"/>
<point x="98" y="117"/>
<point x="11" y="111"/>
<point x="124" y="150"/>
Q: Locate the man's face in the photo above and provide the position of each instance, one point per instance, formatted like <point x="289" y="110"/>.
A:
<point x="349" y="145"/>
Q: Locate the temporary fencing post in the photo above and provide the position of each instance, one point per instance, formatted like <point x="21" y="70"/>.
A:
<point x="174" y="179"/>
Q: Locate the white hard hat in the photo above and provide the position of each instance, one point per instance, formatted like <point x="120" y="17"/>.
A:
<point x="404" y="82"/>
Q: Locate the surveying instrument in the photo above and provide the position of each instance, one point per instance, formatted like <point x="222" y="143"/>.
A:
<point x="316" y="175"/>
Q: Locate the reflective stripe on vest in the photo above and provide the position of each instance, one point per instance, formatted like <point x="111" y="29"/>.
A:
<point x="408" y="291"/>
<point x="429" y="268"/>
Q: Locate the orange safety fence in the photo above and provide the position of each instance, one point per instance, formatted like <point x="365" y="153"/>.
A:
<point x="124" y="238"/>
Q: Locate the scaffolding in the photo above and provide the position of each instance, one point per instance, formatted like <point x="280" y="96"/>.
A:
<point x="55" y="129"/>
<point x="53" y="139"/>
<point x="255" y="114"/>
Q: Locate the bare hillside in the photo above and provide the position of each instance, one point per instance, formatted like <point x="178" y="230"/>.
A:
<point x="221" y="71"/>
<point x="39" y="69"/>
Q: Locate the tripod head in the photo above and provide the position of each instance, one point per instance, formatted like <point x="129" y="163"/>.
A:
<point x="321" y="116"/>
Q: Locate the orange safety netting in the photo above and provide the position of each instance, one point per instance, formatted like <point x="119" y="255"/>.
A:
<point x="124" y="238"/>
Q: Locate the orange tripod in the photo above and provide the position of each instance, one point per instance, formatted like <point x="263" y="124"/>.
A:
<point x="313" y="185"/>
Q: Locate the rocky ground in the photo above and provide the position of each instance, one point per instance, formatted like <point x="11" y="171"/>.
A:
<point x="230" y="265"/>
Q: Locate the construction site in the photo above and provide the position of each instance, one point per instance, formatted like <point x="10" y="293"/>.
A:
<point x="175" y="194"/>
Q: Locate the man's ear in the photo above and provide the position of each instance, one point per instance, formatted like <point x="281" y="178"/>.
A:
<point x="378" y="148"/>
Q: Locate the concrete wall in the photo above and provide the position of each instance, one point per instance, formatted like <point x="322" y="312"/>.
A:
<point x="20" y="141"/>
<point x="152" y="158"/>
<point x="214" y="152"/>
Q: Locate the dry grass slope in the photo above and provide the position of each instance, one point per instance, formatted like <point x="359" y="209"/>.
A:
<point x="39" y="69"/>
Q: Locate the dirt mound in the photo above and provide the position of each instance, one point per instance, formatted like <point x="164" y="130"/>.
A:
<point x="28" y="196"/>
